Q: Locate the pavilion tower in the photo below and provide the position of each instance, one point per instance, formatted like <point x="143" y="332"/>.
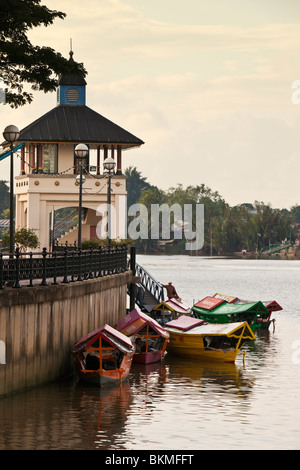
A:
<point x="49" y="166"/>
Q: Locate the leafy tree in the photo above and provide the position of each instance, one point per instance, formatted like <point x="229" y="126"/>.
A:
<point x="22" y="62"/>
<point x="95" y="243"/>
<point x="226" y="229"/>
<point x="5" y="214"/>
<point x="150" y="196"/>
<point x="24" y="239"/>
<point x="295" y="212"/>
<point x="135" y="184"/>
<point x="4" y="196"/>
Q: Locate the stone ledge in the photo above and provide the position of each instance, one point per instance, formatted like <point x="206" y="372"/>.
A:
<point x="38" y="294"/>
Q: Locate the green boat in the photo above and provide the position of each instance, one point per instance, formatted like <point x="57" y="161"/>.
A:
<point x="271" y="305"/>
<point x="254" y="313"/>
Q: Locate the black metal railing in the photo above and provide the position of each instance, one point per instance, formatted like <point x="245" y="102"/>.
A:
<point x="147" y="281"/>
<point x="21" y="269"/>
<point x="150" y="283"/>
<point x="66" y="224"/>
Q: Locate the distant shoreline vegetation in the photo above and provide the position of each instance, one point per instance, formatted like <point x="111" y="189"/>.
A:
<point x="244" y="228"/>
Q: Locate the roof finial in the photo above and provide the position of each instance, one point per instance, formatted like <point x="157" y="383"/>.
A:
<point x="71" y="51"/>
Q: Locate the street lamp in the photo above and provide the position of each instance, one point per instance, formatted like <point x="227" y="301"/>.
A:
<point x="11" y="134"/>
<point x="109" y="165"/>
<point x="81" y="151"/>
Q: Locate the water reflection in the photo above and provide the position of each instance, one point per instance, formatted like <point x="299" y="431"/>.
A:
<point x="72" y="415"/>
<point x="262" y="350"/>
<point x="102" y="413"/>
<point x="181" y="404"/>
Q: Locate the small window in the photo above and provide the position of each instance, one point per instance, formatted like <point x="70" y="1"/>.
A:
<point x="50" y="158"/>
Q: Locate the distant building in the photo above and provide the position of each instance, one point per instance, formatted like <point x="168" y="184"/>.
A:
<point x="49" y="167"/>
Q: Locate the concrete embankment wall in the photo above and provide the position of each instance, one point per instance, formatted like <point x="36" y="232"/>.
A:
<point x="39" y="325"/>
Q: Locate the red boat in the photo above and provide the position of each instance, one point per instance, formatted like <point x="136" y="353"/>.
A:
<point x="103" y="356"/>
<point x="149" y="337"/>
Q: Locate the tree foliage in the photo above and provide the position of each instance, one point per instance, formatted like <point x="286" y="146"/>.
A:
<point x="227" y="229"/>
<point x="21" y="62"/>
<point x="95" y="243"/>
<point x="4" y="197"/>
<point x="135" y="184"/>
<point x="24" y="239"/>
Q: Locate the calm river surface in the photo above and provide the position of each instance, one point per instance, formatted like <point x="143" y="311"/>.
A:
<point x="182" y="404"/>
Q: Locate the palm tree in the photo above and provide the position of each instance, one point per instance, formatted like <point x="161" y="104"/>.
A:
<point x="135" y="184"/>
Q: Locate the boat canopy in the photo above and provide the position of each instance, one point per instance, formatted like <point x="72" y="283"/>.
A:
<point x="225" y="309"/>
<point x="271" y="305"/>
<point x="227" y="298"/>
<point x="237" y="329"/>
<point x="134" y="321"/>
<point x="185" y="323"/>
<point x="209" y="303"/>
<point x="173" y="305"/>
<point x="251" y="307"/>
<point x="111" y="335"/>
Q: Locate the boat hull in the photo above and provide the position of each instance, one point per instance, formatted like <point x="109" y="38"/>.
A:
<point x="105" y="377"/>
<point x="148" y="357"/>
<point x="193" y="346"/>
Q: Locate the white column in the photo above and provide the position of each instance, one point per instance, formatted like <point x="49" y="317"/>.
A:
<point x="33" y="215"/>
<point x="44" y="226"/>
<point x="121" y="216"/>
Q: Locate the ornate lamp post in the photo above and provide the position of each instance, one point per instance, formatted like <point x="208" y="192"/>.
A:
<point x="11" y="134"/>
<point x="109" y="165"/>
<point x="81" y="151"/>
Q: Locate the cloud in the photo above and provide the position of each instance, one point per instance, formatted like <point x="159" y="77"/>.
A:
<point x="211" y="101"/>
<point x="110" y="25"/>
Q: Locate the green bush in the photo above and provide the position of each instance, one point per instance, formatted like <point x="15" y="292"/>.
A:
<point x="94" y="243"/>
<point x="24" y="238"/>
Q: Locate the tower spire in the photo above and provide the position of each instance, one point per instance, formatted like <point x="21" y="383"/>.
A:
<point x="71" y="87"/>
<point x="71" y="50"/>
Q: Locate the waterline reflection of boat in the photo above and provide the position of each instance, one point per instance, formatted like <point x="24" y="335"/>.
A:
<point x="213" y="342"/>
<point x="103" y="356"/>
<point x="150" y="338"/>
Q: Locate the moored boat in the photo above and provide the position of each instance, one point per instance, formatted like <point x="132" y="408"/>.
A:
<point x="218" y="310"/>
<point x="264" y="320"/>
<point x="168" y="310"/>
<point x="103" y="356"/>
<point x="148" y="336"/>
<point x="192" y="337"/>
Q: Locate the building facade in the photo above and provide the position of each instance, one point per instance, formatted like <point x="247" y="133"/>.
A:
<point x="49" y="166"/>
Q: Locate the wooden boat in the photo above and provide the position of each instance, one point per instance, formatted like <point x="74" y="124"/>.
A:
<point x="103" y="356"/>
<point x="265" y="320"/>
<point x="168" y="310"/>
<point x="149" y="337"/>
<point x="217" y="310"/>
<point x="193" y="337"/>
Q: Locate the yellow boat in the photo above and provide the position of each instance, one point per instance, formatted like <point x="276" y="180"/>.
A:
<point x="193" y="337"/>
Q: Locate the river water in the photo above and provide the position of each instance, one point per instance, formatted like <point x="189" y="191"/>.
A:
<point x="181" y="404"/>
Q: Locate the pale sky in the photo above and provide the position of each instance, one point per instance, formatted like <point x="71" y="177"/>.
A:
<point x="207" y="85"/>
